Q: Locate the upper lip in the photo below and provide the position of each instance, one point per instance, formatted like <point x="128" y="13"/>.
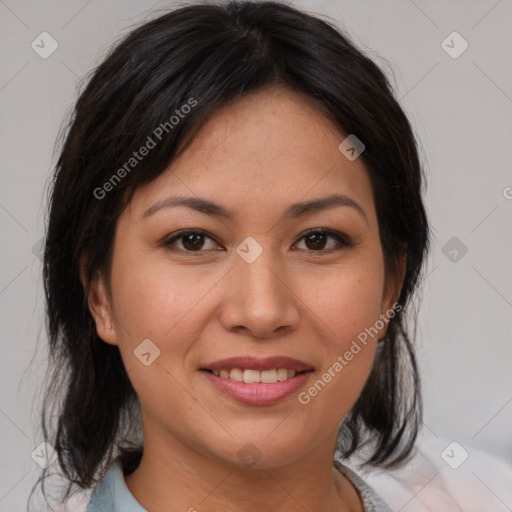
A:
<point x="256" y="363"/>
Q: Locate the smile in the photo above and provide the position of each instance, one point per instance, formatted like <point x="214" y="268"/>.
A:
<point x="255" y="376"/>
<point x="257" y="392"/>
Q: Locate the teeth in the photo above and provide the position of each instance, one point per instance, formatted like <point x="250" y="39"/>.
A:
<point x="255" y="376"/>
<point x="282" y="374"/>
<point x="268" y="376"/>
<point x="236" y="374"/>
<point x="250" y="376"/>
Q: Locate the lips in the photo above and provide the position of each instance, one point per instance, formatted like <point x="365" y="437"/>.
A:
<point x="261" y="364"/>
<point x="258" y="393"/>
<point x="258" y="381"/>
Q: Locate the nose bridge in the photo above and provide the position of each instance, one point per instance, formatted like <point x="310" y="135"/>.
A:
<point x="259" y="299"/>
<point x="258" y="269"/>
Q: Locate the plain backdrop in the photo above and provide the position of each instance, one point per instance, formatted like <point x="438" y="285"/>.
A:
<point x="460" y="103"/>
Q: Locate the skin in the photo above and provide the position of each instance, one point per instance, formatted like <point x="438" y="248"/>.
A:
<point x="255" y="156"/>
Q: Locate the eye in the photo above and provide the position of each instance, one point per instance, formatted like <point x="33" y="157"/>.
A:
<point x="315" y="240"/>
<point x="191" y="241"/>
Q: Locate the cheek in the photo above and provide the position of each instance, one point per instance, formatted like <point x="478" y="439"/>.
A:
<point x="166" y="306"/>
<point x="346" y="306"/>
<point x="154" y="300"/>
<point x="346" y="301"/>
<point x="169" y="306"/>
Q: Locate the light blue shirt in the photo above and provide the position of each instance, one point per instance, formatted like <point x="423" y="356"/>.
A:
<point x="112" y="495"/>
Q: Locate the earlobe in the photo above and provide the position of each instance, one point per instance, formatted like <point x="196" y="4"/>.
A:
<point x="99" y="305"/>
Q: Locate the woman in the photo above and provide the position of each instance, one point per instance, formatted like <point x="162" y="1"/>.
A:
<point x="235" y="232"/>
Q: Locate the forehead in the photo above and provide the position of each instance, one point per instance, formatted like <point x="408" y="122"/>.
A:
<point x="259" y="152"/>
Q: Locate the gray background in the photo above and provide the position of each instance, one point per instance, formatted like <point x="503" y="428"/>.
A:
<point x="461" y="109"/>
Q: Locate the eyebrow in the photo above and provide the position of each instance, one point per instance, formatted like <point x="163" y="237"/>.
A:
<point x="293" y="211"/>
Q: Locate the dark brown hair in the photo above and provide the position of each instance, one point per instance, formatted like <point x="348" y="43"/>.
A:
<point x="212" y="54"/>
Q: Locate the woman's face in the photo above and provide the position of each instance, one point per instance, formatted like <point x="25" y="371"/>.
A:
<point x="253" y="284"/>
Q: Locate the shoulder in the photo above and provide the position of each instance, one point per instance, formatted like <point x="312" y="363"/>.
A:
<point x="112" y="495"/>
<point x="372" y="502"/>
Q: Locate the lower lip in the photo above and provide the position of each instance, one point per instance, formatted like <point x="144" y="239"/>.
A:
<point x="257" y="394"/>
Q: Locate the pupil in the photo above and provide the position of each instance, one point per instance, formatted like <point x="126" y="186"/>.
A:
<point x="318" y="240"/>
<point x="191" y="241"/>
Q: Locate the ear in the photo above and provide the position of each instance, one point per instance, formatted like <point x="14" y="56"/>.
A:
<point x="99" y="305"/>
<point x="393" y="287"/>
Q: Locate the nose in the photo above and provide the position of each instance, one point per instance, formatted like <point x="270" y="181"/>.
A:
<point x="259" y="299"/>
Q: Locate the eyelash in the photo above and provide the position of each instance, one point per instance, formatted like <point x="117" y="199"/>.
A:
<point x="343" y="242"/>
